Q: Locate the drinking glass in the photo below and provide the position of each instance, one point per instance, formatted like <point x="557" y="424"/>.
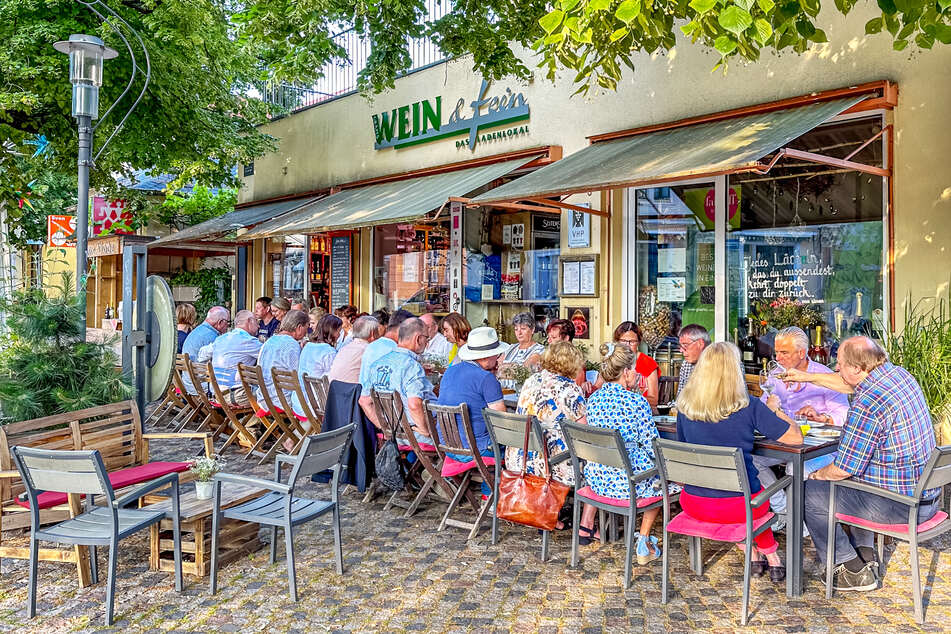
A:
<point x="771" y="371"/>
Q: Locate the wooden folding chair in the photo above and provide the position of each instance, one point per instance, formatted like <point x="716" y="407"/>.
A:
<point x="318" y="390"/>
<point x="238" y="416"/>
<point x="192" y="409"/>
<point x="446" y="422"/>
<point x="426" y="468"/>
<point x="200" y="374"/>
<point x="274" y="418"/>
<point x="171" y="404"/>
<point x="287" y="381"/>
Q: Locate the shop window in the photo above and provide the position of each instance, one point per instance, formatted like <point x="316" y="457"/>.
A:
<point x="805" y="246"/>
<point x="293" y="268"/>
<point x="411" y="267"/>
<point x="511" y="266"/>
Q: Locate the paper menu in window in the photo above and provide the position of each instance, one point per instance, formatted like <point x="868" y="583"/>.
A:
<point x="671" y="289"/>
<point x="671" y="260"/>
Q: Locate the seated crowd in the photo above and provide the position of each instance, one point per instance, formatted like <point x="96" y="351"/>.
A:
<point x="887" y="433"/>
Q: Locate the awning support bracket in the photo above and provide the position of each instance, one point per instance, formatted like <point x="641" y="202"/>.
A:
<point x="822" y="159"/>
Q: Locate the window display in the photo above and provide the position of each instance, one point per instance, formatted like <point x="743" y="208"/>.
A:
<point x="411" y="267"/>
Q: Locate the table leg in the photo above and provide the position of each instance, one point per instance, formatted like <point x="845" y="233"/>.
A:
<point x="794" y="545"/>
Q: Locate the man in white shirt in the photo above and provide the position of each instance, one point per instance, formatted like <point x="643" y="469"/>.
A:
<point x="438" y="345"/>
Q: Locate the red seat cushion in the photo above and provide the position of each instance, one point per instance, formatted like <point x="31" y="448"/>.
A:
<point x="119" y="479"/>
<point x="178" y="391"/>
<point x="422" y="446"/>
<point x="683" y="524"/>
<point x="588" y="492"/>
<point x="302" y="419"/>
<point x="927" y="525"/>
<point x="452" y="467"/>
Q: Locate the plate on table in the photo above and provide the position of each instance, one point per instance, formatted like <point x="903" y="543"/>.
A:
<point x="824" y="431"/>
<point x="665" y="420"/>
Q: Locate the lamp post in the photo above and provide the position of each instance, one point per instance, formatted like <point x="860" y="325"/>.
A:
<point x="86" y="55"/>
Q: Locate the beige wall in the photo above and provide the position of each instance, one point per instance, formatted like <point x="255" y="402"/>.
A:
<point x="333" y="143"/>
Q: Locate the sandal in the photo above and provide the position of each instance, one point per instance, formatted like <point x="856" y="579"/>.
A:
<point x="585" y="535"/>
<point x="758" y="567"/>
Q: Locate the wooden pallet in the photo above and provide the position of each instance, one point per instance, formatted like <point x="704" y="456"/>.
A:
<point x="235" y="538"/>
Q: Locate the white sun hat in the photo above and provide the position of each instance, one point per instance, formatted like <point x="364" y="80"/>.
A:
<point x="483" y="342"/>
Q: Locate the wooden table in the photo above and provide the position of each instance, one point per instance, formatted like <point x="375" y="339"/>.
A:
<point x="236" y="538"/>
<point x="796" y="457"/>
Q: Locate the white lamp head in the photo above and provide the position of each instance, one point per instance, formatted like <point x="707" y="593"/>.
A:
<point x="86" y="55"/>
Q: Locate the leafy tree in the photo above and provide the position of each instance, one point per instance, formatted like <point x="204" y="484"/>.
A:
<point x="44" y="368"/>
<point x="182" y="211"/>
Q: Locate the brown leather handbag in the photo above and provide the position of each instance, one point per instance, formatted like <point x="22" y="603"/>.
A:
<point x="530" y="499"/>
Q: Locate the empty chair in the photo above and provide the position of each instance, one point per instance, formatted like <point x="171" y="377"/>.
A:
<point x="280" y="508"/>
<point x="606" y="447"/>
<point x="447" y="420"/>
<point x="83" y="473"/>
<point x="936" y="473"/>
<point x="721" y="468"/>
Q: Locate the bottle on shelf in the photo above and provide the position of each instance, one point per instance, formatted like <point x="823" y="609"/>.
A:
<point x="749" y="349"/>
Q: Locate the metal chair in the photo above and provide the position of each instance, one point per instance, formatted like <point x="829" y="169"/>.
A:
<point x="720" y="468"/>
<point x="446" y="422"/>
<point x="84" y="473"/>
<point x="266" y="410"/>
<point x="606" y="447"/>
<point x="508" y="430"/>
<point x="936" y="473"/>
<point x="281" y="508"/>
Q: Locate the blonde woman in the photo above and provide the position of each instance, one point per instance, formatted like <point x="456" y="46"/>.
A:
<point x="715" y="409"/>
<point x="552" y="396"/>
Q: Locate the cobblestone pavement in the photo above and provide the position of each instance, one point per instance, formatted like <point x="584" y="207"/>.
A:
<point x="403" y="575"/>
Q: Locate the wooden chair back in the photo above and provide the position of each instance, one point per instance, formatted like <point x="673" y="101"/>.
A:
<point x="720" y="468"/>
<point x="201" y="375"/>
<point x="252" y="380"/>
<point x="389" y="409"/>
<point x="445" y="423"/>
<point x="318" y="391"/>
<point x="287" y="381"/>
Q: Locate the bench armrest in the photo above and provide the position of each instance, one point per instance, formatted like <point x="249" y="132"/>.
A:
<point x="874" y="490"/>
<point x="148" y="487"/>
<point x="252" y="481"/>
<point x="184" y="435"/>
<point x="768" y="492"/>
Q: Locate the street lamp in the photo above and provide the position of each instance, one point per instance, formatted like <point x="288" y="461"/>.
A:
<point x="86" y="55"/>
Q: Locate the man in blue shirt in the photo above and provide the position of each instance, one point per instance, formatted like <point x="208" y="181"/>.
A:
<point x="236" y="346"/>
<point x="383" y="345"/>
<point x="282" y="351"/>
<point x="886" y="442"/>
<point x="217" y="322"/>
<point x="400" y="371"/>
<point x="474" y="382"/>
<point x="267" y="322"/>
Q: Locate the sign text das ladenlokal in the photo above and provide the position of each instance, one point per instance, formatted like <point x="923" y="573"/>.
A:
<point x="422" y="122"/>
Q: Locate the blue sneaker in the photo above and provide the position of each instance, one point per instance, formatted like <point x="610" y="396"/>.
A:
<point x="647" y="549"/>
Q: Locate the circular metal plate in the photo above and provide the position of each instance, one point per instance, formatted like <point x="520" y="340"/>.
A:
<point x="161" y="325"/>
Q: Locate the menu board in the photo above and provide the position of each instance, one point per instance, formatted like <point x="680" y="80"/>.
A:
<point x="340" y="271"/>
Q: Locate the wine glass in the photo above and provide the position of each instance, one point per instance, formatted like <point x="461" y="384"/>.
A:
<point x="769" y="372"/>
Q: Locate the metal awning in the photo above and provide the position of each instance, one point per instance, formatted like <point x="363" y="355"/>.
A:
<point x="384" y="203"/>
<point x="232" y="221"/>
<point x="719" y="147"/>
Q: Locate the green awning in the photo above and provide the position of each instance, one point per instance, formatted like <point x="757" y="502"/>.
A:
<point x="385" y="203"/>
<point x="692" y="151"/>
<point x="230" y="222"/>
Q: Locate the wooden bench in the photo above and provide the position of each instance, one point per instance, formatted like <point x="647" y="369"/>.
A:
<point x="116" y="431"/>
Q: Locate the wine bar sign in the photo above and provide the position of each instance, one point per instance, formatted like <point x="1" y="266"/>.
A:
<point x="786" y="275"/>
<point x="340" y="271"/>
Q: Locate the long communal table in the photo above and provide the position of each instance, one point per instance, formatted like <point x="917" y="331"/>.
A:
<point x="796" y="457"/>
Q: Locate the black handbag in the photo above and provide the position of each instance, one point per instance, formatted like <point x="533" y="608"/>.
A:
<point x="390" y="471"/>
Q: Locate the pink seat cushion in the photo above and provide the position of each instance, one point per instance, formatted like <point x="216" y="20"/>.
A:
<point x="683" y="524"/>
<point x="422" y="446"/>
<point x="452" y="467"/>
<point x="178" y="391"/>
<point x="119" y="479"/>
<point x="927" y="525"/>
<point x="302" y="419"/>
<point x="588" y="492"/>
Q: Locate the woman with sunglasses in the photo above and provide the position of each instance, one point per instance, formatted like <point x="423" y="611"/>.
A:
<point x="629" y="334"/>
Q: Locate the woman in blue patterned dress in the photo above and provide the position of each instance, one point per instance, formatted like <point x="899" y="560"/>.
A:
<point x="616" y="406"/>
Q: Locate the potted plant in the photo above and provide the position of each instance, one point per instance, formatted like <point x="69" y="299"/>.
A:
<point x="924" y="349"/>
<point x="204" y="470"/>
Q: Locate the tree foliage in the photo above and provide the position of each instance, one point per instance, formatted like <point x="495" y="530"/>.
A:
<point x="202" y="204"/>
<point x="44" y="368"/>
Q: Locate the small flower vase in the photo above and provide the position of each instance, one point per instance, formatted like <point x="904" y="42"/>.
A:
<point x="204" y="489"/>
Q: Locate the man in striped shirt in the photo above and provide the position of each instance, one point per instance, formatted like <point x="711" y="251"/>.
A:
<point x="886" y="442"/>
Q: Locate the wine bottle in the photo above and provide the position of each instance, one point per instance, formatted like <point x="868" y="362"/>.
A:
<point x="748" y="348"/>
<point x="817" y="352"/>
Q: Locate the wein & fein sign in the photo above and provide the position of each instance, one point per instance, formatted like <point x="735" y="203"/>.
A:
<point x="422" y="122"/>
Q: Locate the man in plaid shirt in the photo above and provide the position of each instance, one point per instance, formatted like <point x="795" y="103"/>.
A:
<point x="886" y="442"/>
<point x="694" y="338"/>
